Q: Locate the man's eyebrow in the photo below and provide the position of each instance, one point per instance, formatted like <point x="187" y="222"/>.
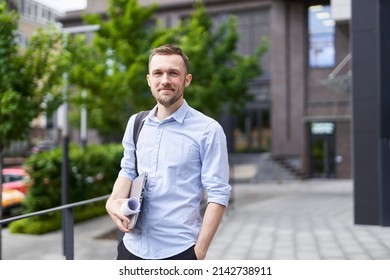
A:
<point x="169" y="69"/>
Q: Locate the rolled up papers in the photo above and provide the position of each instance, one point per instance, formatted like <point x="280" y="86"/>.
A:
<point x="130" y="207"/>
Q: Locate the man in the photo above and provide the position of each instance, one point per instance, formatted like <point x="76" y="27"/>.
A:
<point x="183" y="152"/>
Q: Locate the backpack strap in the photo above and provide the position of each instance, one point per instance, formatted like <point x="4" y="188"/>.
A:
<point x="138" y="123"/>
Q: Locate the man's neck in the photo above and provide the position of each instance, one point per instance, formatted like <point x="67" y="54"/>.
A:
<point x="164" y="112"/>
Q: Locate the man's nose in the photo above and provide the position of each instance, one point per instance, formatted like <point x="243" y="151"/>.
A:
<point x="165" y="79"/>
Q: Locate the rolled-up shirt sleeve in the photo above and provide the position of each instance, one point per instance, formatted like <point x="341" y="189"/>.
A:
<point x="215" y="164"/>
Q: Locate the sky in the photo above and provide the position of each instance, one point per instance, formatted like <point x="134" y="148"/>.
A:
<point x="65" y="5"/>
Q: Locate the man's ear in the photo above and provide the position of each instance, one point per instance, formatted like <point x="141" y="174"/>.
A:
<point x="147" y="78"/>
<point x="188" y="80"/>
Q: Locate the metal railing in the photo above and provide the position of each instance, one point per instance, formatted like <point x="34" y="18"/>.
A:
<point x="67" y="222"/>
<point x="340" y="66"/>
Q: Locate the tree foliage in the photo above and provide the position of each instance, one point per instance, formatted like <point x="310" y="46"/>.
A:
<point x="30" y="78"/>
<point x="114" y="68"/>
<point x="220" y="75"/>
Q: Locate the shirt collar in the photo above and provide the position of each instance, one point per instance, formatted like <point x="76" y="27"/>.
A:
<point x="179" y="115"/>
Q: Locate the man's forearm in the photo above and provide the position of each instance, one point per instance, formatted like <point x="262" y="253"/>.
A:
<point x="211" y="221"/>
<point x="118" y="195"/>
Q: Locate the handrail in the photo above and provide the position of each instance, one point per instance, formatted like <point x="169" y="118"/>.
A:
<point x="338" y="68"/>
<point x="46" y="211"/>
<point x="67" y="224"/>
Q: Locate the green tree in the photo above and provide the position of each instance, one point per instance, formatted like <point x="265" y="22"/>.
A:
<point x="220" y="75"/>
<point x="113" y="69"/>
<point x="30" y="78"/>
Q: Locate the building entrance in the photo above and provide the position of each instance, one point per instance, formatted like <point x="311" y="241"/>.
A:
<point x="322" y="150"/>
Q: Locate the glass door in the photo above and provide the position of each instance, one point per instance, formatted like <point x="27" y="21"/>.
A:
<point x="322" y="150"/>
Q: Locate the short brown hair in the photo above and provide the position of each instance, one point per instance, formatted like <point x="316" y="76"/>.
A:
<point x="169" y="49"/>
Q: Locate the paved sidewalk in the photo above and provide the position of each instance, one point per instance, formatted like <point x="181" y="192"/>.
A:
<point x="297" y="220"/>
<point x="291" y="220"/>
<point x="87" y="244"/>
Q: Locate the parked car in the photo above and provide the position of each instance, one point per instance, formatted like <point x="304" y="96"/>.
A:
<point x="15" y="186"/>
<point x="11" y="198"/>
<point x="16" y="178"/>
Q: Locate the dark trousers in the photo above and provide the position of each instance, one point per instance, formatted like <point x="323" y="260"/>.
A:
<point x="124" y="254"/>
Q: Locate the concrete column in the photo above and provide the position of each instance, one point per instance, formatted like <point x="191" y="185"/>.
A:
<point x="371" y="113"/>
<point x="288" y="70"/>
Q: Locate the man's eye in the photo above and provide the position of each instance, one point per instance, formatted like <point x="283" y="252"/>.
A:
<point x="157" y="74"/>
<point x="174" y="74"/>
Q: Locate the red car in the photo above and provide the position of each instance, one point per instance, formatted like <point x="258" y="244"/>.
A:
<point x="16" y="178"/>
<point x="15" y="185"/>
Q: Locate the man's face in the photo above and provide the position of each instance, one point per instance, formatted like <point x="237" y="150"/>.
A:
<point x="167" y="78"/>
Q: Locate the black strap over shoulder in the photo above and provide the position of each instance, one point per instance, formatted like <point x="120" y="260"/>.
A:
<point x="138" y="123"/>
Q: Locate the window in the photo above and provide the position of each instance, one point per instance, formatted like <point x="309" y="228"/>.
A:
<point x="321" y="37"/>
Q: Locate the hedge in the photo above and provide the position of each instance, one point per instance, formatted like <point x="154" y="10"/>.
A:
<point x="92" y="173"/>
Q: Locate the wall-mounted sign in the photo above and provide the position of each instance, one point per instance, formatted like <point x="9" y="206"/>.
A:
<point x="322" y="128"/>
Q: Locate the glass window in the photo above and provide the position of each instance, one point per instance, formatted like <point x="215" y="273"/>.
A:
<point x="321" y="37"/>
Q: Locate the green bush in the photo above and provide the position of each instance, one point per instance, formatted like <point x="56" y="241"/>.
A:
<point x="91" y="174"/>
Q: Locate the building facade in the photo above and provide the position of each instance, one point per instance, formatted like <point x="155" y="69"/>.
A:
<point x="301" y="112"/>
<point x="311" y="112"/>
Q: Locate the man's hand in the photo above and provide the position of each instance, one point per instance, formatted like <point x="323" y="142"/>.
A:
<point x="113" y="209"/>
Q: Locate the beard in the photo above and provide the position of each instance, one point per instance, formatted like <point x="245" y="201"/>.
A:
<point x="168" y="101"/>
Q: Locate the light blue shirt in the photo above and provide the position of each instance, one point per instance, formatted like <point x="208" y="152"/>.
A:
<point x="183" y="155"/>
